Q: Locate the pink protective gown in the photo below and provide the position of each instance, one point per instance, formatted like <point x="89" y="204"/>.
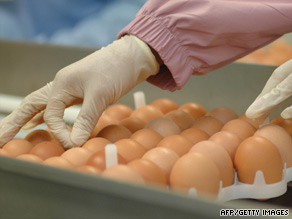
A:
<point x="194" y="37"/>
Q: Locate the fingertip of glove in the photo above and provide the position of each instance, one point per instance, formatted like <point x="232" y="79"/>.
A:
<point x="287" y="113"/>
<point x="29" y="125"/>
<point x="77" y="138"/>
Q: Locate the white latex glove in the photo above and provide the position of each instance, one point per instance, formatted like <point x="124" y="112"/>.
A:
<point x="98" y="80"/>
<point x="277" y="89"/>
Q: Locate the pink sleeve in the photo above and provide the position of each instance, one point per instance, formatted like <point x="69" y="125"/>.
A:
<point x="194" y="37"/>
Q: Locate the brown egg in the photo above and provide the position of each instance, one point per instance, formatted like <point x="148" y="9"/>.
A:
<point x="165" y="105"/>
<point x="277" y="120"/>
<point x="147" y="113"/>
<point x="196" y="110"/>
<point x="228" y="140"/>
<point x="195" y="170"/>
<point x="285" y="123"/>
<point x="114" y="132"/>
<point x="119" y="111"/>
<point x="239" y="127"/>
<point x="133" y="124"/>
<point x="38" y="136"/>
<point x="221" y="158"/>
<point x="183" y="119"/>
<point x="195" y="135"/>
<point x="254" y="122"/>
<point x="58" y="162"/>
<point x="5" y="153"/>
<point x="30" y="157"/>
<point x="77" y="156"/>
<point x="150" y="172"/>
<point x="17" y="147"/>
<point x="178" y="143"/>
<point x="280" y="138"/>
<point x="104" y="120"/>
<point x="130" y="149"/>
<point x="88" y="169"/>
<point x="98" y="161"/>
<point x="95" y="144"/>
<point x="147" y="137"/>
<point x="164" y="126"/>
<point x="208" y="124"/>
<point x="47" y="149"/>
<point x="124" y="173"/>
<point x="257" y="153"/>
<point x="164" y="158"/>
<point x="222" y="113"/>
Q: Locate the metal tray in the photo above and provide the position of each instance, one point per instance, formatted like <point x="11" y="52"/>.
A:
<point x="29" y="190"/>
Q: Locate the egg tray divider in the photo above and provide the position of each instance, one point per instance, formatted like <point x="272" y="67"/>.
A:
<point x="258" y="190"/>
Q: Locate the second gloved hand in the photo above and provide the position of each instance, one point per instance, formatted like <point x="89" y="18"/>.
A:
<point x="277" y="89"/>
<point x="98" y="80"/>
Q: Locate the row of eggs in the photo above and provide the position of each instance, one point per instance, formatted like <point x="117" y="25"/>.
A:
<point x="167" y="145"/>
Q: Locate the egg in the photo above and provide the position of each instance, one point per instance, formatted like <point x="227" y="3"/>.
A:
<point x="119" y="111"/>
<point x="60" y="162"/>
<point x="228" y="140"/>
<point x="103" y="121"/>
<point x="183" y="119"/>
<point x="164" y="158"/>
<point x="17" y="147"/>
<point x="98" y="161"/>
<point x="164" y="126"/>
<point x="38" y="136"/>
<point x="130" y="149"/>
<point x="77" y="156"/>
<point x="165" y="105"/>
<point x="149" y="171"/>
<point x="196" y="110"/>
<point x="221" y="158"/>
<point x="47" y="149"/>
<point x="124" y="173"/>
<point x="5" y="153"/>
<point x="95" y="144"/>
<point x="280" y="138"/>
<point x="195" y="170"/>
<point x="285" y="123"/>
<point x="147" y="113"/>
<point x="114" y="132"/>
<point x="240" y="127"/>
<point x="148" y="138"/>
<point x="223" y="114"/>
<point x="208" y="124"/>
<point x="30" y="157"/>
<point x="195" y="135"/>
<point x="178" y="143"/>
<point x="256" y="122"/>
<point x="88" y="169"/>
<point x="258" y="153"/>
<point x="133" y="124"/>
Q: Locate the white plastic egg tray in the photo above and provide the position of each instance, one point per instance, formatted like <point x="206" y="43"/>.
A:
<point x="258" y="190"/>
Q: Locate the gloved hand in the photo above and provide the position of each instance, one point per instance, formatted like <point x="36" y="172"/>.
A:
<point x="97" y="81"/>
<point x="277" y="89"/>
